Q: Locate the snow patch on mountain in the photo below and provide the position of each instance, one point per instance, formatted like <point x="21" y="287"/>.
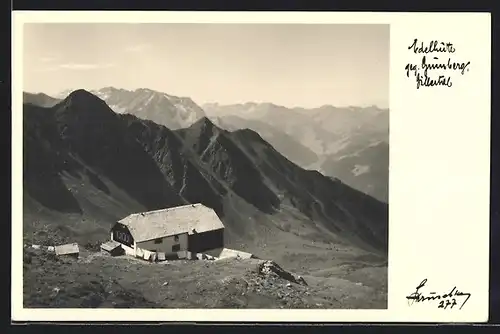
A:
<point x="360" y="169"/>
<point x="168" y="110"/>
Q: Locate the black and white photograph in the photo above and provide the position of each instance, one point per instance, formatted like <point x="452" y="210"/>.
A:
<point x="170" y="165"/>
<point x="251" y="167"/>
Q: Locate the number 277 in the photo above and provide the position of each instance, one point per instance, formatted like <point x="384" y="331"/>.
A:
<point x="445" y="303"/>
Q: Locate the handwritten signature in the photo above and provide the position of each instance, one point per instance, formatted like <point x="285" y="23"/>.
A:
<point x="445" y="300"/>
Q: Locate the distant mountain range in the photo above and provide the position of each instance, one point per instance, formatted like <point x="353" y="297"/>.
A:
<point x="40" y="99"/>
<point x="350" y="143"/>
<point x="84" y="159"/>
<point x="168" y="110"/>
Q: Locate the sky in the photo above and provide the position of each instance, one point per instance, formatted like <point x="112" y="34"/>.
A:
<point x="294" y="65"/>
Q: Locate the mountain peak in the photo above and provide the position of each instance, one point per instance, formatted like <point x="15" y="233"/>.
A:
<point x="83" y="96"/>
<point x="79" y="92"/>
<point x="82" y="99"/>
<point x="204" y="122"/>
<point x="204" y="127"/>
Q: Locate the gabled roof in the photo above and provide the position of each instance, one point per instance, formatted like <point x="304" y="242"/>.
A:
<point x="162" y="223"/>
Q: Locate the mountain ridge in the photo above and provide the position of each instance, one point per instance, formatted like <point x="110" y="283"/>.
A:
<point x="40" y="99"/>
<point x="252" y="104"/>
<point x="316" y="139"/>
<point x="201" y="163"/>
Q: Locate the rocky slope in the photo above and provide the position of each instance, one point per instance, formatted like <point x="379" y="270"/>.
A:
<point x="96" y="280"/>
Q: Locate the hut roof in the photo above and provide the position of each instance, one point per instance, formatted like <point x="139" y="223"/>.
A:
<point x="191" y="218"/>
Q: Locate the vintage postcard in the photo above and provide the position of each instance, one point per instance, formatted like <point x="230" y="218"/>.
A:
<point x="251" y="166"/>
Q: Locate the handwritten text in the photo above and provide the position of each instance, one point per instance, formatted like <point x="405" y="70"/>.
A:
<point x="434" y="70"/>
<point x="446" y="300"/>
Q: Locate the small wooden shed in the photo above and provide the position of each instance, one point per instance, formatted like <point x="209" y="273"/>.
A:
<point x="112" y="247"/>
<point x="68" y="250"/>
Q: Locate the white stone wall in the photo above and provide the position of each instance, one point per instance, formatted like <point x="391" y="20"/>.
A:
<point x="128" y="250"/>
<point x="166" y="244"/>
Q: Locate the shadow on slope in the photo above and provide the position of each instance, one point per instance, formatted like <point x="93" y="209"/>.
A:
<point x="44" y="159"/>
<point x="168" y="153"/>
<point x="218" y="153"/>
<point x="96" y="135"/>
<point x="341" y="209"/>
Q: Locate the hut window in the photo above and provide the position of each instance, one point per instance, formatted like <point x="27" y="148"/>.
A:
<point x="176" y="248"/>
<point x="176" y="238"/>
<point x="158" y="241"/>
